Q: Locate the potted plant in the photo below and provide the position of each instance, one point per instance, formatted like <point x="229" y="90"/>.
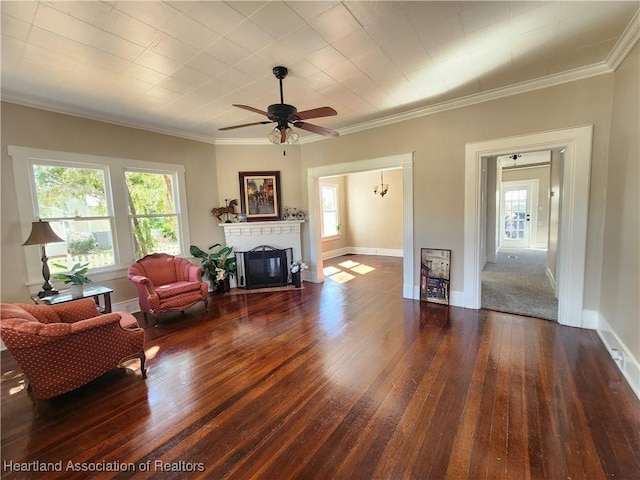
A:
<point x="77" y="277"/>
<point x="218" y="265"/>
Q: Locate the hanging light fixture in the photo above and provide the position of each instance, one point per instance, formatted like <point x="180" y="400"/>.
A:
<point x="515" y="157"/>
<point x="281" y="135"/>
<point x="382" y="189"/>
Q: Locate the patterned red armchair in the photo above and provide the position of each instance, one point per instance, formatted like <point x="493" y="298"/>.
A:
<point x="62" y="347"/>
<point x="165" y="282"/>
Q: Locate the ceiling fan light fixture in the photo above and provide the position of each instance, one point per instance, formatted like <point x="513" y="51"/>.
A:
<point x="284" y="114"/>
<point x="292" y="137"/>
<point x="274" y="136"/>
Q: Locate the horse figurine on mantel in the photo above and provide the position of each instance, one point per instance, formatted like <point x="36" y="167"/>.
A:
<point x="229" y="209"/>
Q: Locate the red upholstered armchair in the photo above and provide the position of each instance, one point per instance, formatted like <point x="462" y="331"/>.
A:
<point x="62" y="347"/>
<point x="165" y="282"/>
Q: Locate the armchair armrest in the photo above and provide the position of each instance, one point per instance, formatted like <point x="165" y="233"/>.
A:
<point x="95" y="322"/>
<point x="195" y="273"/>
<point x="139" y="280"/>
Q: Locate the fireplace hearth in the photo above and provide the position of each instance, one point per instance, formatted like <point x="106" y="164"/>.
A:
<point x="263" y="267"/>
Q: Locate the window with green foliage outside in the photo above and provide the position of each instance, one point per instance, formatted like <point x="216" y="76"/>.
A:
<point x="75" y="201"/>
<point x="153" y="212"/>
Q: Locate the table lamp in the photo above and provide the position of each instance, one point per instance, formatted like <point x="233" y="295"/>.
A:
<point x="41" y="234"/>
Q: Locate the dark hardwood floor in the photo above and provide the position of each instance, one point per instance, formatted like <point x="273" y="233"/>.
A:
<point x="340" y="380"/>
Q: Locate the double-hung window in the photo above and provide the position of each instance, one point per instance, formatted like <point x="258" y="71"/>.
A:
<point x="109" y="211"/>
<point x="330" y="217"/>
<point x="153" y="213"/>
<point x="76" y="200"/>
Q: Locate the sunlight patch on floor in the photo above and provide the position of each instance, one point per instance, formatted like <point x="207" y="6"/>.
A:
<point x="331" y="270"/>
<point x="348" y="264"/>
<point x="341" y="277"/>
<point x="362" y="269"/>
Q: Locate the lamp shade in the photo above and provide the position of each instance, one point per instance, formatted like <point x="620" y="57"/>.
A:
<point x="41" y="234"/>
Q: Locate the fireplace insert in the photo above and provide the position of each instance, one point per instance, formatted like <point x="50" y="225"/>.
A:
<point x="263" y="267"/>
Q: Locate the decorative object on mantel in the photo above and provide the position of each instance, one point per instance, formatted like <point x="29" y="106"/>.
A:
<point x="292" y="213"/>
<point x="296" y="269"/>
<point x="229" y="208"/>
<point x="260" y="195"/>
<point x="382" y="189"/>
<point x="41" y="234"/>
<point x="435" y="265"/>
<point x="76" y="277"/>
<point x="217" y="265"/>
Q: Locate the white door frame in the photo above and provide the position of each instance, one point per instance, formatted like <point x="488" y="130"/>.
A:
<point x="573" y="224"/>
<point x="404" y="161"/>
<point x="532" y="202"/>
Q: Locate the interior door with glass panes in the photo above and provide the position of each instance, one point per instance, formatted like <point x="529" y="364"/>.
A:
<point x="515" y="225"/>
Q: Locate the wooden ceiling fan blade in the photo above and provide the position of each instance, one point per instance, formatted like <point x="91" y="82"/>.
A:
<point x="251" y="109"/>
<point x="314" y="113"/>
<point x="245" y="125"/>
<point x="327" y="132"/>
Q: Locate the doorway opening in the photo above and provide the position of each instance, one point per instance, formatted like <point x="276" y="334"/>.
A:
<point x="518" y="275"/>
<point x="405" y="163"/>
<point x="572" y="235"/>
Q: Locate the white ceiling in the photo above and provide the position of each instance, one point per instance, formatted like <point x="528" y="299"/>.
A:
<point x="178" y="66"/>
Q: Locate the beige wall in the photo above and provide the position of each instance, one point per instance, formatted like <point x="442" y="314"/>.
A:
<point x="542" y="208"/>
<point x="438" y="142"/>
<point x="259" y="158"/>
<point x="492" y="234"/>
<point x="28" y="127"/>
<point x="374" y="221"/>
<point x="619" y="303"/>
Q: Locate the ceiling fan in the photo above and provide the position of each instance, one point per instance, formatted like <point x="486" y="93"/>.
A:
<point x="284" y="114"/>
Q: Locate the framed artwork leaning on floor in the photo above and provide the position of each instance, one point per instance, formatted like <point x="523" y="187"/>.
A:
<point x="435" y="268"/>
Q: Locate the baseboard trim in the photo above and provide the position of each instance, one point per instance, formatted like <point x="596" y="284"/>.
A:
<point x="384" y="252"/>
<point x="456" y="298"/>
<point x="335" y="253"/>
<point x="590" y="319"/>
<point x="552" y="281"/>
<point x="129" y="306"/>
<point x="622" y="357"/>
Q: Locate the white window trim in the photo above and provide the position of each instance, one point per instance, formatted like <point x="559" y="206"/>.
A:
<point x="23" y="158"/>
<point x="335" y="186"/>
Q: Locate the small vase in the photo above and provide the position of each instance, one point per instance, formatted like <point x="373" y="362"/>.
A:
<point x="296" y="280"/>
<point x="77" y="291"/>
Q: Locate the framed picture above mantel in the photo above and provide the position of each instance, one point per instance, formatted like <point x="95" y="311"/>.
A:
<point x="260" y="195"/>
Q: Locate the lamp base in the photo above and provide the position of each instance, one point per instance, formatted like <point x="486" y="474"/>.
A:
<point x="47" y="293"/>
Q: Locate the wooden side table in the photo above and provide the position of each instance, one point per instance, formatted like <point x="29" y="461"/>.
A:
<point x="95" y="291"/>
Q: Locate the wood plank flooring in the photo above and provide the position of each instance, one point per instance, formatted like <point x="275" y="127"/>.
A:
<point x="339" y="380"/>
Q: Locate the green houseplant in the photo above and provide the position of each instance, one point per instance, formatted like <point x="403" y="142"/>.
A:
<point x="218" y="265"/>
<point x="77" y="277"/>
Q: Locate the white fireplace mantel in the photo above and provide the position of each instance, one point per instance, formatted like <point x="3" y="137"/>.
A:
<point x="245" y="236"/>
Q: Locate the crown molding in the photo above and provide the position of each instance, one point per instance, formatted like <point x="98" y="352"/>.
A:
<point x="242" y="141"/>
<point x="12" y="97"/>
<point x="627" y="41"/>
<point x="524" y="87"/>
